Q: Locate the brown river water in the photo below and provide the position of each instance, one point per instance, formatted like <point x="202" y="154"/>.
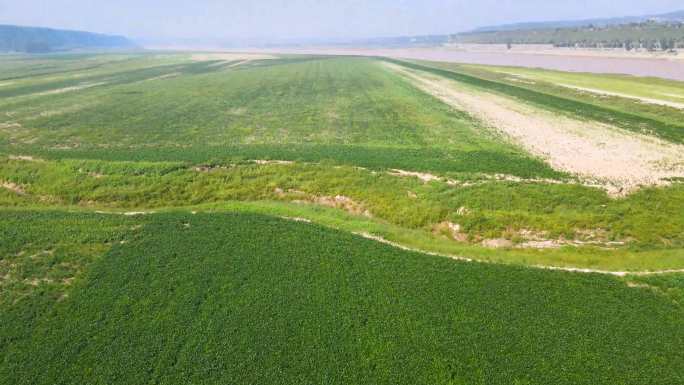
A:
<point x="667" y="68"/>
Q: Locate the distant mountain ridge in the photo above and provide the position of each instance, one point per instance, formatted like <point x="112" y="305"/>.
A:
<point x="677" y="16"/>
<point x="42" y="40"/>
<point x="651" y="33"/>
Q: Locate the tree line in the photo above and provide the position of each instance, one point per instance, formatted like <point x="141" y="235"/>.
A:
<point x="651" y="36"/>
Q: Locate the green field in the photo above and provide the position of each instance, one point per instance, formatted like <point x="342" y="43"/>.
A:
<point x="239" y="298"/>
<point x="257" y="177"/>
<point x="301" y="109"/>
<point x="130" y="132"/>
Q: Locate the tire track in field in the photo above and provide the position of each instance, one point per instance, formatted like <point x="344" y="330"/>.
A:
<point x="617" y="160"/>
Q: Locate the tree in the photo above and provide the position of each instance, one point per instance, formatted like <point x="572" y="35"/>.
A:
<point x="629" y="45"/>
<point x="672" y="44"/>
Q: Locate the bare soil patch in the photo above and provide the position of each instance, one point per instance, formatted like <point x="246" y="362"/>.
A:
<point x="297" y="219"/>
<point x="14" y="187"/>
<point x="268" y="162"/>
<point x="481" y="179"/>
<point x="13" y="130"/>
<point x="497" y="243"/>
<point x="344" y="203"/>
<point x="25" y="158"/>
<point x="618" y="160"/>
<point x="425" y="177"/>
<point x="69" y="89"/>
<point x="451" y="230"/>
<point x="338" y="202"/>
<point x="229" y="57"/>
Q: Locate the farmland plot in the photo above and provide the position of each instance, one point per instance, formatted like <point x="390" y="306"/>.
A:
<point x="205" y="217"/>
<point x="149" y="131"/>
<point x="252" y="299"/>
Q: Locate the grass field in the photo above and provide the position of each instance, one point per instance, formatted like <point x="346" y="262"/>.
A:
<point x="346" y="109"/>
<point x="239" y="298"/>
<point x="163" y="131"/>
<point x="495" y="209"/>
<point x="202" y="218"/>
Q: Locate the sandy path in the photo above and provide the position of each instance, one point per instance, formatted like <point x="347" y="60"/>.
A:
<point x="616" y="159"/>
<point x="659" y="102"/>
<point x="69" y="89"/>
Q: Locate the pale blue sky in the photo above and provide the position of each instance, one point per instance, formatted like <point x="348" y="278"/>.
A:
<point x="284" y="19"/>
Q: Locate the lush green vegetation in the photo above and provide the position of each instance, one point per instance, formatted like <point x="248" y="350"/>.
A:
<point x="210" y="285"/>
<point x="158" y="131"/>
<point x="484" y="209"/>
<point x="241" y="298"/>
<point x="348" y="110"/>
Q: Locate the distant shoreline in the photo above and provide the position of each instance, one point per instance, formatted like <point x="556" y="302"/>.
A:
<point x="548" y="49"/>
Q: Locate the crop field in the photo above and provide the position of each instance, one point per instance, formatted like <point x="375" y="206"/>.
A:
<point x="252" y="218"/>
<point x="239" y="298"/>
<point x="346" y="109"/>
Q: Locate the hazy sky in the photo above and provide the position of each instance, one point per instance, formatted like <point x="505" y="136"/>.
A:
<point x="305" y="18"/>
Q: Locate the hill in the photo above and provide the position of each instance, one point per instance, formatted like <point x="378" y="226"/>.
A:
<point x="650" y="35"/>
<point x="43" y="40"/>
<point x="677" y="16"/>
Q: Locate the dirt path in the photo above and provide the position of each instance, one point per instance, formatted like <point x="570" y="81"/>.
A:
<point x="616" y="159"/>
